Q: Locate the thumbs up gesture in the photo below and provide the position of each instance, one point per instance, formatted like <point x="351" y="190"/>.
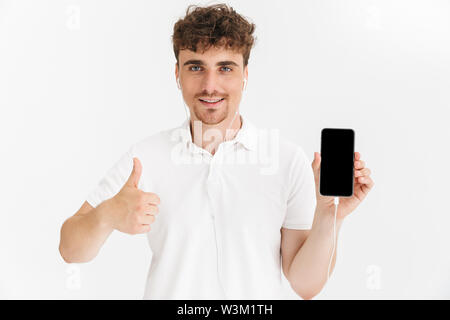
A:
<point x="133" y="210"/>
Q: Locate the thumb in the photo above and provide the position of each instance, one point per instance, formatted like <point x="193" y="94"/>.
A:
<point x="135" y="175"/>
<point x="316" y="164"/>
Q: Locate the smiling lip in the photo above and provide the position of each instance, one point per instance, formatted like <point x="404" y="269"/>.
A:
<point x="212" y="104"/>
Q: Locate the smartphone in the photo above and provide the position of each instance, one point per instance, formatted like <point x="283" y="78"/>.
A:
<point x="337" y="151"/>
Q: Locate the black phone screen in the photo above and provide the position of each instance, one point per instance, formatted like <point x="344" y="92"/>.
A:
<point x="337" y="162"/>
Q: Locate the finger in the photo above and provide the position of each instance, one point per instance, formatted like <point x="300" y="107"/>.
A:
<point x="357" y="156"/>
<point x="365" y="180"/>
<point x="362" y="172"/>
<point x="135" y="175"/>
<point x="359" y="164"/>
<point x="144" y="228"/>
<point x="359" y="193"/>
<point x="147" y="219"/>
<point x="151" y="209"/>
<point x="152" y="198"/>
<point x="316" y="163"/>
<point x="367" y="185"/>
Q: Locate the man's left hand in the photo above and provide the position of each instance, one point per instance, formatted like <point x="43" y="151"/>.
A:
<point x="363" y="183"/>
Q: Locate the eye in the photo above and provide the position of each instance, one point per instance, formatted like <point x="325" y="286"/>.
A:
<point x="227" y="68"/>
<point x="194" y="67"/>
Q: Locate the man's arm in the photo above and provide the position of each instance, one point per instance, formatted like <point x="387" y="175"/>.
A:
<point x="131" y="211"/>
<point x="306" y="255"/>
<point x="83" y="234"/>
<point x="308" y="269"/>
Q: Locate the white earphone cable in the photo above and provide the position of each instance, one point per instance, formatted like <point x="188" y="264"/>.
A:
<point x="336" y="203"/>
<point x="226" y="131"/>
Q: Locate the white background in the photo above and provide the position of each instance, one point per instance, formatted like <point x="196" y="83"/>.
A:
<point x="80" y="81"/>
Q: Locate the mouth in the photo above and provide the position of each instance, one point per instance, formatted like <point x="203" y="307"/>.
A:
<point x="212" y="103"/>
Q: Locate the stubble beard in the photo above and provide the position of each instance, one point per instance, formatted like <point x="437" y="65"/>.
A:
<point x="211" y="116"/>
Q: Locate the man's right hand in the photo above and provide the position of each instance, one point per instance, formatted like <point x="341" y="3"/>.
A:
<point x="133" y="209"/>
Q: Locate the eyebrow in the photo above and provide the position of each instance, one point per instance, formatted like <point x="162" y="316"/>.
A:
<point x="220" y="63"/>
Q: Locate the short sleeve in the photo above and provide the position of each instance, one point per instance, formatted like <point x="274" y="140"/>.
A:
<point x="114" y="179"/>
<point x="301" y="200"/>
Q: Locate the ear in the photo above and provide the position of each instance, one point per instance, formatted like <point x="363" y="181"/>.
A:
<point x="176" y="71"/>
<point x="245" y="78"/>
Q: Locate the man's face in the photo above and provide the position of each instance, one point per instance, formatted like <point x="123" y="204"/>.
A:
<point x="216" y="74"/>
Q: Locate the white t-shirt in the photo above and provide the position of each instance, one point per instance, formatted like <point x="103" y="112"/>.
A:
<point x="218" y="231"/>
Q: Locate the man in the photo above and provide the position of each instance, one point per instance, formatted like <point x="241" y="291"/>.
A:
<point x="218" y="224"/>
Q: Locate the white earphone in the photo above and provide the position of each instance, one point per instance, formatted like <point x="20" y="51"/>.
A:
<point x="245" y="85"/>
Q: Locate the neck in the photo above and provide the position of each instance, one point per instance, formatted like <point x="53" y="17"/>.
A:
<point x="209" y="137"/>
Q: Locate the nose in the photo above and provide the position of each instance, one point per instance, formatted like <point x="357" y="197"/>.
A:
<point x="209" y="82"/>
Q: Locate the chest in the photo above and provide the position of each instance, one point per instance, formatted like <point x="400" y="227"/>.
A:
<point x="238" y="197"/>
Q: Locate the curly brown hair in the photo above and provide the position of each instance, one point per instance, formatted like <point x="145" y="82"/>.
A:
<point x="216" y="25"/>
